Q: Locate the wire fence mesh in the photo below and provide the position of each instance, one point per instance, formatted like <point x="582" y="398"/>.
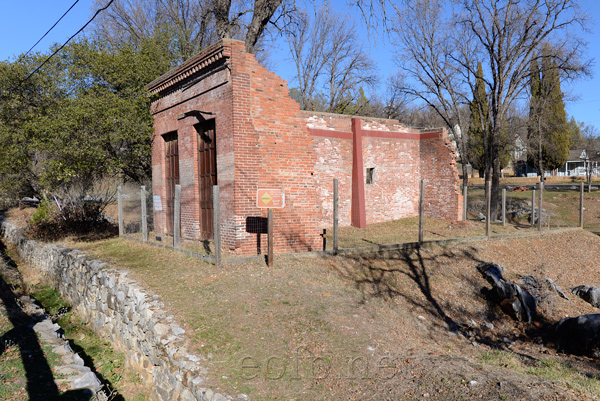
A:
<point x="517" y="212"/>
<point x="136" y="199"/>
<point x="560" y="209"/>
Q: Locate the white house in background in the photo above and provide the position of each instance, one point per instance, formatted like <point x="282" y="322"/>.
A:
<point x="576" y="165"/>
<point x="578" y="162"/>
<point x="519" y="148"/>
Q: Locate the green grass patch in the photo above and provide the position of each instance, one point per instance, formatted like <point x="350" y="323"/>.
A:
<point x="97" y="353"/>
<point x="500" y="358"/>
<point x="547" y="369"/>
<point x="564" y="372"/>
<point x="50" y="299"/>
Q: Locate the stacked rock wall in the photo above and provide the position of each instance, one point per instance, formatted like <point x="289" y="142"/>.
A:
<point x="120" y="311"/>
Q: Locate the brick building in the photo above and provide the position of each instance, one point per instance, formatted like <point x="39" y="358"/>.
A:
<point x="221" y="118"/>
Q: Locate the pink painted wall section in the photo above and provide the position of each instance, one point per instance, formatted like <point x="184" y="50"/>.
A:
<point x="333" y="160"/>
<point x="393" y="193"/>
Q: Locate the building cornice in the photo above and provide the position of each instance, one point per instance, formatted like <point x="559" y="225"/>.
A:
<point x="203" y="61"/>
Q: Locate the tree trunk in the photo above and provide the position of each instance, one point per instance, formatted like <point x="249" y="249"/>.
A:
<point x="221" y="12"/>
<point x="263" y="11"/>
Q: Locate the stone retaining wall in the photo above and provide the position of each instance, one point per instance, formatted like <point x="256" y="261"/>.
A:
<point x="117" y="309"/>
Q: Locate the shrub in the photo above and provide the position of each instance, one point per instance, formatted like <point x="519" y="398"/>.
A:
<point x="78" y="216"/>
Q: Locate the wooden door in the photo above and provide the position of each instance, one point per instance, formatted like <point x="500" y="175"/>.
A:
<point x="207" y="174"/>
<point x="171" y="175"/>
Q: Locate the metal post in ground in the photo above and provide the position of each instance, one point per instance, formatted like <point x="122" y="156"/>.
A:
<point x="421" y="211"/>
<point x="581" y="205"/>
<point x="465" y="188"/>
<point x="335" y="216"/>
<point x="177" y="217"/>
<point x="270" y="237"/>
<point x="504" y="206"/>
<point x="144" y="214"/>
<point x="217" y="224"/>
<point x="488" y="212"/>
<point x="120" y="209"/>
<point x="541" y="188"/>
<point x="532" y="207"/>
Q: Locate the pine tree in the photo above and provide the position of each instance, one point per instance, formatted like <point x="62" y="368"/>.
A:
<point x="549" y="132"/>
<point x="479" y="123"/>
<point x="534" y="131"/>
<point x="559" y="135"/>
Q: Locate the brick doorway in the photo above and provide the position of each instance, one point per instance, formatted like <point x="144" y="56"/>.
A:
<point x="207" y="175"/>
<point x="171" y="175"/>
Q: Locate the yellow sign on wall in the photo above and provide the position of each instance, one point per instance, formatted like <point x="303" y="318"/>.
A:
<point x="270" y="198"/>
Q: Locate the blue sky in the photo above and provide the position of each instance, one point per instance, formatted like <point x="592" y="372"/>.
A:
<point x="23" y="22"/>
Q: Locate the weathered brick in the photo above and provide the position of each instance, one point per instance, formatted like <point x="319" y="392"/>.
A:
<point x="264" y="140"/>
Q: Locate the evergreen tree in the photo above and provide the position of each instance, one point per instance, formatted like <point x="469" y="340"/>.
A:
<point x="559" y="133"/>
<point x="550" y="135"/>
<point x="534" y="131"/>
<point x="479" y="123"/>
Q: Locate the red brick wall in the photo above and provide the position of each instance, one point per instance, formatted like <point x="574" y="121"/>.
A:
<point x="400" y="162"/>
<point x="333" y="160"/>
<point x="272" y="150"/>
<point x="264" y="141"/>
<point x="394" y="193"/>
<point x="212" y="94"/>
<point x="443" y="199"/>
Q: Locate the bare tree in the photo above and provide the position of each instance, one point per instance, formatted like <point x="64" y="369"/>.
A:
<point x="332" y="64"/>
<point x="442" y="46"/>
<point x="249" y="20"/>
<point x="503" y="35"/>
<point x="184" y="27"/>
<point x="427" y="53"/>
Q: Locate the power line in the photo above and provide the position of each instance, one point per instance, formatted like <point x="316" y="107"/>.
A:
<point x="68" y="40"/>
<point x="51" y="28"/>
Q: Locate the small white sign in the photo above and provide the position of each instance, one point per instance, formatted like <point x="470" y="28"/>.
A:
<point x="157" y="203"/>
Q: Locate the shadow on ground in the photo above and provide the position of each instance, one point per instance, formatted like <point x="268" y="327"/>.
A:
<point x="40" y="381"/>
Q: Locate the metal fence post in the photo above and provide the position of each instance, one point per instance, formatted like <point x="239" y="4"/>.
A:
<point x="144" y="214"/>
<point x="504" y="206"/>
<point x="177" y="217"/>
<point x="532" y="207"/>
<point x="120" y="209"/>
<point x="581" y="205"/>
<point x="488" y="212"/>
<point x="465" y="188"/>
<point x="217" y="224"/>
<point x="335" y="216"/>
<point x="270" y="237"/>
<point x="541" y="187"/>
<point x="421" y="211"/>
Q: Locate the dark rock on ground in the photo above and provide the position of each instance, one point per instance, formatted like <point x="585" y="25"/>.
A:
<point x="579" y="335"/>
<point x="513" y="299"/>
<point x="588" y="294"/>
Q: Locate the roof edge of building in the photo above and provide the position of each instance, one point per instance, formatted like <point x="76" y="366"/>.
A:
<point x="201" y="61"/>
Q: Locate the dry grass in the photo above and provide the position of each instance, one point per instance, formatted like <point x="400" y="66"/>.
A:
<point x="372" y="328"/>
<point x="360" y="327"/>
